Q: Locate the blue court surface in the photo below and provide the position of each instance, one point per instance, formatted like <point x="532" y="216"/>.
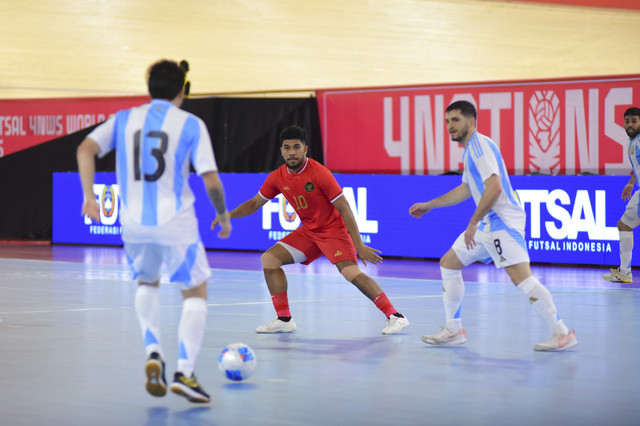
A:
<point x="71" y="352"/>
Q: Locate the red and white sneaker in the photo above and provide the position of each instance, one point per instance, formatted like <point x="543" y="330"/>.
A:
<point x="395" y="324"/>
<point x="445" y="337"/>
<point x="558" y="342"/>
<point x="278" y="326"/>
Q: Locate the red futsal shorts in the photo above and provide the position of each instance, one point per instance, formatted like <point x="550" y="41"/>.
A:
<point x="335" y="243"/>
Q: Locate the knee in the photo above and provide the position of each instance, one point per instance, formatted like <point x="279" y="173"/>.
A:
<point x="350" y="272"/>
<point x="450" y="274"/>
<point x="447" y="263"/>
<point x="624" y="227"/>
<point x="450" y="261"/>
<point x="269" y="261"/>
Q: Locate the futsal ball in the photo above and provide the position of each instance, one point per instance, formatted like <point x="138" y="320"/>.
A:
<point x="237" y="361"/>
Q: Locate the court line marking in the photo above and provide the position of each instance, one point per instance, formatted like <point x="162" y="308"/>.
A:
<point x="81" y="268"/>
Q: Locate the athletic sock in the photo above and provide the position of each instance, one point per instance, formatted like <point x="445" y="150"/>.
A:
<point x="383" y="303"/>
<point x="452" y="295"/>
<point x="190" y="333"/>
<point x="626" y="248"/>
<point x="542" y="302"/>
<point x="281" y="304"/>
<point x="147" y="305"/>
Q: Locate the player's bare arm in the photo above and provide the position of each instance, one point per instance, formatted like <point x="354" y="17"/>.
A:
<point x="247" y="208"/>
<point x="215" y="190"/>
<point x="365" y="253"/>
<point x="85" y="156"/>
<point x="457" y="195"/>
<point x="492" y="190"/>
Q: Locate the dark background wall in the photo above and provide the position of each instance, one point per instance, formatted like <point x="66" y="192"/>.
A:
<point x="244" y="133"/>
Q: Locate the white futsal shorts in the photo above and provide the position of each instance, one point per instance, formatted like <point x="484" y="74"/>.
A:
<point x="631" y="216"/>
<point x="185" y="264"/>
<point x="505" y="247"/>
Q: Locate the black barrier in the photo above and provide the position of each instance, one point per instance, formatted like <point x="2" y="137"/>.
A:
<point x="244" y="133"/>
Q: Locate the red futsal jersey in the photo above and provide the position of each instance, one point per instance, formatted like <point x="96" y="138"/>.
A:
<point x="311" y="192"/>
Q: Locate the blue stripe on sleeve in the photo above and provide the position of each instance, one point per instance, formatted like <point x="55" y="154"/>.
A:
<point x="474" y="144"/>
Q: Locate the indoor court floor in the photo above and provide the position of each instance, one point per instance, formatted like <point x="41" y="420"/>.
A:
<point x="71" y="352"/>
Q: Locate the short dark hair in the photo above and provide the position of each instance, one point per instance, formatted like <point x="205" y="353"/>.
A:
<point x="165" y="79"/>
<point x="466" y="108"/>
<point x="632" y="111"/>
<point x="293" y="133"/>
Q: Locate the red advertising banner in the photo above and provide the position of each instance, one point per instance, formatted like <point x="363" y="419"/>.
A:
<point x="612" y="4"/>
<point x="28" y="122"/>
<point x="564" y="126"/>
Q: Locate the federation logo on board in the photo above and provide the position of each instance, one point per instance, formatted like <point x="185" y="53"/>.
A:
<point x="108" y="201"/>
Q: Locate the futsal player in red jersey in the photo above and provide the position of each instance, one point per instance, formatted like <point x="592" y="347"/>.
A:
<point x="328" y="228"/>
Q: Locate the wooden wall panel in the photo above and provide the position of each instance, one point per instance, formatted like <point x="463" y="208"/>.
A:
<point x="60" y="48"/>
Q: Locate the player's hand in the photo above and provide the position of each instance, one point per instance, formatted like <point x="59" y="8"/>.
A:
<point x="224" y="220"/>
<point x="469" y="235"/>
<point x="366" y="253"/>
<point x="626" y="191"/>
<point x="419" y="209"/>
<point x="226" y="229"/>
<point x="90" y="208"/>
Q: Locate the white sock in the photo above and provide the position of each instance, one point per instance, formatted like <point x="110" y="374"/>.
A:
<point x="542" y="302"/>
<point x="147" y="305"/>
<point x="452" y="295"/>
<point x="191" y="333"/>
<point x="626" y="247"/>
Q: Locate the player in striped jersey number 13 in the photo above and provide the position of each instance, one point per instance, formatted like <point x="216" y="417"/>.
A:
<point x="154" y="145"/>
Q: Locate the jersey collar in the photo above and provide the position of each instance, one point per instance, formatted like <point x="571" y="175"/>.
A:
<point x="306" y="162"/>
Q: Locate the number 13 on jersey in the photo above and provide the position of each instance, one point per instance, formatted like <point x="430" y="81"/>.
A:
<point x="157" y="153"/>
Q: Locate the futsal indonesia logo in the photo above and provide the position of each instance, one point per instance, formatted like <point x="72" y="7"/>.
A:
<point x="544" y="132"/>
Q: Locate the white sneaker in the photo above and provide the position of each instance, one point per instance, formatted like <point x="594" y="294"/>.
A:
<point x="617" y="277"/>
<point x="278" y="326"/>
<point x="395" y="324"/>
<point x="445" y="337"/>
<point x="558" y="342"/>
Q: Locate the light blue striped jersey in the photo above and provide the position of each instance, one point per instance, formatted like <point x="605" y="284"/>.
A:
<point x="634" y="156"/>
<point x="155" y="143"/>
<point x="482" y="159"/>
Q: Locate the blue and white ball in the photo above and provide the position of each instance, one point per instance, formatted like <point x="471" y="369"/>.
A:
<point x="237" y="361"/>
